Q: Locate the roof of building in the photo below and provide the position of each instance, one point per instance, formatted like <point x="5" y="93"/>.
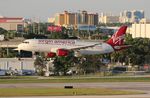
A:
<point x="10" y="19"/>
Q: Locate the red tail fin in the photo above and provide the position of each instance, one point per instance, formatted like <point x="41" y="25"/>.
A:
<point x="118" y="38"/>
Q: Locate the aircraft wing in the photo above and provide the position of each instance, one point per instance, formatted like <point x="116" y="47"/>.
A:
<point x="16" y="49"/>
<point x="83" y="47"/>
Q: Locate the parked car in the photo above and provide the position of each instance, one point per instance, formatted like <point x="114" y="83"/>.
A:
<point x="119" y="69"/>
<point x="2" y="72"/>
<point x="27" y="72"/>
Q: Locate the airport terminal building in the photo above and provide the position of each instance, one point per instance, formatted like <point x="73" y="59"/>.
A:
<point x="12" y="23"/>
<point x="140" y="30"/>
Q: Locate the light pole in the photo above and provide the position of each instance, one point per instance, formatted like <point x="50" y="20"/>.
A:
<point x="89" y="32"/>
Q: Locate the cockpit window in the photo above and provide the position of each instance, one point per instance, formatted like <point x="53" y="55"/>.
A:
<point x="26" y="42"/>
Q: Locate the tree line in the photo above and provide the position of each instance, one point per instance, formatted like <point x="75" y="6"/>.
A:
<point x="137" y="54"/>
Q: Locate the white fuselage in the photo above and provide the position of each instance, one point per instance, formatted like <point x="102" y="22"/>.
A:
<point x="51" y="45"/>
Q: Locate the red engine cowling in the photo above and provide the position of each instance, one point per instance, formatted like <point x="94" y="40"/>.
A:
<point x="62" y="52"/>
<point x="51" y="54"/>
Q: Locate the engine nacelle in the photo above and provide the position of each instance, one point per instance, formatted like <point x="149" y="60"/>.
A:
<point x="51" y="54"/>
<point x="62" y="52"/>
<point x="77" y="54"/>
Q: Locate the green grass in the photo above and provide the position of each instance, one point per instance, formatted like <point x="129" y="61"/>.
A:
<point x="21" y="79"/>
<point x="60" y="92"/>
<point x="18" y="77"/>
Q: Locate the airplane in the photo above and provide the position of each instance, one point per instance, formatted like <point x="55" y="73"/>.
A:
<point x="62" y="47"/>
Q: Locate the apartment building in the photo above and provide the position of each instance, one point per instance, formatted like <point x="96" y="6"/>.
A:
<point x="74" y="19"/>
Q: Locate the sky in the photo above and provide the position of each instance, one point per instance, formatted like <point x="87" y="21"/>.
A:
<point x="43" y="9"/>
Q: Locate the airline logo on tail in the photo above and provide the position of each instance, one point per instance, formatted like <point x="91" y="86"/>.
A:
<point x="117" y="40"/>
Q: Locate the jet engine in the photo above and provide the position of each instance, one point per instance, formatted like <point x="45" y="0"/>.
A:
<point x="62" y="52"/>
<point x="51" y="54"/>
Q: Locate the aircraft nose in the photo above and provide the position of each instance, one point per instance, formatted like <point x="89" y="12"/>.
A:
<point x="20" y="47"/>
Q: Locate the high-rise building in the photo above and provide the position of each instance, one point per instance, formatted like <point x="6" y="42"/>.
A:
<point x="108" y="18"/>
<point x="125" y="13"/>
<point x="59" y="19"/>
<point x="84" y="17"/>
<point x="93" y="19"/>
<point x="137" y="15"/>
<point x="69" y="18"/>
<point x="90" y="19"/>
<point x="74" y="19"/>
<point x="96" y="19"/>
<point x="131" y="16"/>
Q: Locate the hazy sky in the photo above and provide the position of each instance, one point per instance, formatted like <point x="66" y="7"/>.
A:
<point x="47" y="8"/>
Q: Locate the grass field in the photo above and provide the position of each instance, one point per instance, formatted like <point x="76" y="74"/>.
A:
<point x="17" y="79"/>
<point x="60" y="92"/>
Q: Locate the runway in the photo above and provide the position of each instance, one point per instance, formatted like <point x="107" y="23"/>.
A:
<point x="133" y="86"/>
<point x="142" y="86"/>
